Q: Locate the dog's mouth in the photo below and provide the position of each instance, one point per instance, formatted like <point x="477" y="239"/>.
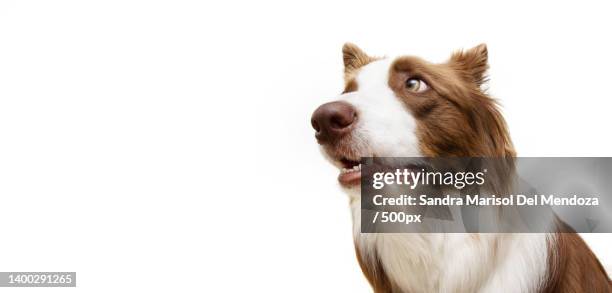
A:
<point x="351" y="169"/>
<point x="350" y="172"/>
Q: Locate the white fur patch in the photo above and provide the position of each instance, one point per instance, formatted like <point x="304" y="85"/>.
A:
<point x="457" y="262"/>
<point x="385" y="126"/>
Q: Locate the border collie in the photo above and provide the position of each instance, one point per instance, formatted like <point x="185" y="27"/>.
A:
<point x="408" y="107"/>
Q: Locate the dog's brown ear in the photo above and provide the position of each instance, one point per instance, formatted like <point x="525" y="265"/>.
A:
<point x="354" y="58"/>
<point x="473" y="63"/>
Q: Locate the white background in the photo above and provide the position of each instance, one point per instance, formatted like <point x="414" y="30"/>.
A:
<point x="166" y="145"/>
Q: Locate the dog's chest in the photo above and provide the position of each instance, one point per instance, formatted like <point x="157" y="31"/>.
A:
<point x="458" y="262"/>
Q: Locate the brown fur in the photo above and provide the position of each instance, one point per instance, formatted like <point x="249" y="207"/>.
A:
<point x="351" y="86"/>
<point x="572" y="265"/>
<point x="455" y="118"/>
<point x="354" y="58"/>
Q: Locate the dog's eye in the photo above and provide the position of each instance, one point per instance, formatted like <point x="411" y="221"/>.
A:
<point x="416" y="85"/>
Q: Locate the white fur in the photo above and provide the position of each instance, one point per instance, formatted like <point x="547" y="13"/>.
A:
<point x="456" y="262"/>
<point x="432" y="262"/>
<point x="384" y="127"/>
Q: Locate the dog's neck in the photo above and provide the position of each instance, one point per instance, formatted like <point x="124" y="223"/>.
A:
<point x="456" y="262"/>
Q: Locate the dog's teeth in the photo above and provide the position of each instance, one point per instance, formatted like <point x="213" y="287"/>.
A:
<point x="355" y="168"/>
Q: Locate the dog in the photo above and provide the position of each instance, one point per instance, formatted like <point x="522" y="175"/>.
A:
<point x="408" y="107"/>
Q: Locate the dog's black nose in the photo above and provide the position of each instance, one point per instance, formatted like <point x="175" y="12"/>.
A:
<point x="333" y="120"/>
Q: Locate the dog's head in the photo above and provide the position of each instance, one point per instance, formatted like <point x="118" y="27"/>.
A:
<point x="408" y="107"/>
